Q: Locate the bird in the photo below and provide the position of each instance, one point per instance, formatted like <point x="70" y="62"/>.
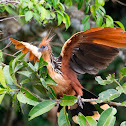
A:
<point x="85" y="52"/>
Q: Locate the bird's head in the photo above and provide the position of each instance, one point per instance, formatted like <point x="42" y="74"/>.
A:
<point x="45" y="48"/>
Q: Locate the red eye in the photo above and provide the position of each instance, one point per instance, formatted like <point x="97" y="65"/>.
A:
<point x="43" y="46"/>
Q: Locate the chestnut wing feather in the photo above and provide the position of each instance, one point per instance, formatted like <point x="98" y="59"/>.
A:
<point x="94" y="49"/>
<point x="26" y="47"/>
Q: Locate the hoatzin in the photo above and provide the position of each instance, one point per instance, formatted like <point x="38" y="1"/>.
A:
<point x="85" y="52"/>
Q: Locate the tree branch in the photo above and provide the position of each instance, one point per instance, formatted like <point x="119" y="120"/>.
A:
<point x="107" y="102"/>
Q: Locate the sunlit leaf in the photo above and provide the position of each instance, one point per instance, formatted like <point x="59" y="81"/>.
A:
<point x="23" y="99"/>
<point x="107" y="117"/>
<point x="41" y="108"/>
<point x="108" y="95"/>
<point x="86" y="26"/>
<point x="93" y="10"/>
<point x="44" y="83"/>
<point x="123" y="123"/>
<point x="66" y="20"/>
<point x="63" y="118"/>
<point x="28" y="15"/>
<point x="43" y="13"/>
<point x="85" y="19"/>
<point x="50" y="81"/>
<point x="2" y="78"/>
<point x="99" y="21"/>
<point x="120" y="24"/>
<point x="109" y="79"/>
<point x="25" y="73"/>
<point x="81" y="119"/>
<point x="91" y="121"/>
<point x="68" y="100"/>
<point x="109" y="21"/>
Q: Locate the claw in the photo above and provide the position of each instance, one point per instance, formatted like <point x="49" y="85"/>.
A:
<point x="79" y="101"/>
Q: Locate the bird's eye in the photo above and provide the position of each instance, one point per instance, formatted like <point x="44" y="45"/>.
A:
<point x="43" y="47"/>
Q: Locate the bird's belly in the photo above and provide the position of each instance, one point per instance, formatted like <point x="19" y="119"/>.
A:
<point x="63" y="86"/>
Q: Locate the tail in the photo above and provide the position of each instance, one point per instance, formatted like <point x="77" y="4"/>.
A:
<point x="89" y="108"/>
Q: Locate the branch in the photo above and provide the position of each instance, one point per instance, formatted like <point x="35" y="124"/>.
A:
<point x="8" y="1"/>
<point x="12" y="18"/>
<point x="107" y="102"/>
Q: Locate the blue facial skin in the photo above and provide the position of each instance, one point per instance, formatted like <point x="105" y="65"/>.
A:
<point x="44" y="47"/>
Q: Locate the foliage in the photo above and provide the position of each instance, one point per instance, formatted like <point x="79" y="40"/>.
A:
<point x="46" y="11"/>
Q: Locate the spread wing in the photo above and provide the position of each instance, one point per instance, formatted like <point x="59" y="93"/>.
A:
<point x="34" y="52"/>
<point x="91" y="50"/>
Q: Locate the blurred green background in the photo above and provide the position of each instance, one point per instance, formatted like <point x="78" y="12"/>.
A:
<point x="13" y="115"/>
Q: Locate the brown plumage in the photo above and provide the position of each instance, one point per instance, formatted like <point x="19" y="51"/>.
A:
<point x="84" y="52"/>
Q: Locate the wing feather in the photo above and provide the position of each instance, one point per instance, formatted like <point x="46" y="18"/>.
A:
<point x="91" y="50"/>
<point x="34" y="52"/>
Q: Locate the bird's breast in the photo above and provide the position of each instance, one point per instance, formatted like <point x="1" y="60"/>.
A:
<point x="63" y="85"/>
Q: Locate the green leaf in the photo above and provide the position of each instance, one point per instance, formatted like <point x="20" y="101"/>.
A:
<point x="41" y="108"/>
<point x="108" y="95"/>
<point x="80" y="3"/>
<point x="40" y="88"/>
<point x="28" y="94"/>
<point x="19" y="57"/>
<point x="123" y="103"/>
<point x="120" y="24"/>
<point x="28" y="15"/>
<point x="68" y="100"/>
<point x="99" y="21"/>
<point x="7" y="75"/>
<point x="1" y="56"/>
<point x="93" y="10"/>
<point x="91" y="121"/>
<point x="86" y="26"/>
<point x="123" y="71"/>
<point x="42" y="62"/>
<point x="25" y="81"/>
<point x="100" y="2"/>
<point x="68" y="3"/>
<point x="110" y="79"/>
<point x="123" y="123"/>
<point x="23" y="99"/>
<point x="36" y="16"/>
<point x="43" y="13"/>
<point x="1" y="97"/>
<point x="109" y="21"/>
<point x="50" y="81"/>
<point x="63" y="118"/>
<point x="66" y="20"/>
<point x="18" y="67"/>
<point x="81" y="119"/>
<point x="59" y="17"/>
<point x="2" y="78"/>
<point x="53" y="95"/>
<point x="107" y="117"/>
<point x="3" y="90"/>
<point x="44" y="83"/>
<point x="85" y="19"/>
<point x="25" y="73"/>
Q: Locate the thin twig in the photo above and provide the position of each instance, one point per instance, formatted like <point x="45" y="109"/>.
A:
<point x="108" y="102"/>
<point x="119" y="2"/>
<point x="9" y="54"/>
<point x="7" y="45"/>
<point x="12" y="18"/>
<point x="8" y="1"/>
<point x="6" y="38"/>
<point x="3" y="64"/>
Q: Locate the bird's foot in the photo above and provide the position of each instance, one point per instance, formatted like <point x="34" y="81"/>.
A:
<point x="79" y="101"/>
